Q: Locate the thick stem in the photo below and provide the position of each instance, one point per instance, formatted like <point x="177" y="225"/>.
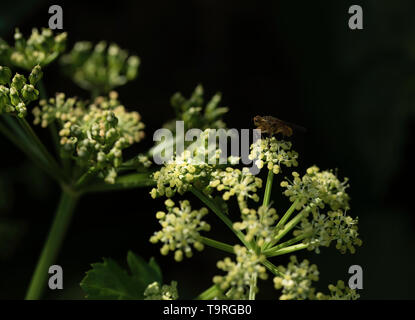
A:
<point x="52" y="245"/>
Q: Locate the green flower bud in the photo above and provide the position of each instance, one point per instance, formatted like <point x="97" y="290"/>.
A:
<point x="14" y="96"/>
<point x="35" y="75"/>
<point x="21" y="110"/>
<point x="5" y="75"/>
<point x="4" y="96"/>
<point x="132" y="67"/>
<point x="18" y="82"/>
<point x="29" y="93"/>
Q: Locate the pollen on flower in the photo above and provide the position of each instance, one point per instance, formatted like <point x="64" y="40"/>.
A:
<point x="181" y="227"/>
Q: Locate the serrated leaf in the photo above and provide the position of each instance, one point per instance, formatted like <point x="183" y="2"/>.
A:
<point x="108" y="281"/>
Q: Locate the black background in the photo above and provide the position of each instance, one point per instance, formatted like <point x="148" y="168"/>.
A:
<point x="297" y="60"/>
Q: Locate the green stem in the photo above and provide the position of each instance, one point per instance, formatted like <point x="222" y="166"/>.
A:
<point x="207" y="200"/>
<point x="209" y="293"/>
<point x="271" y="267"/>
<point x="217" y="244"/>
<point x="289" y="226"/>
<point x="252" y="287"/>
<point x="281" y="223"/>
<point x="268" y="188"/>
<point x="287" y="214"/>
<point x="288" y="243"/>
<point x="52" y="162"/>
<point x="27" y="150"/>
<point x="52" y="245"/>
<point x="274" y="253"/>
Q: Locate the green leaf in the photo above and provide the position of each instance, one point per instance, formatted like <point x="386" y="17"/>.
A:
<point x="108" y="281"/>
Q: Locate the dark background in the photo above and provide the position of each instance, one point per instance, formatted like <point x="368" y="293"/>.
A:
<point x="297" y="60"/>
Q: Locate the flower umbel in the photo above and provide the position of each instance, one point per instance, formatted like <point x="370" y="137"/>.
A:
<point x="181" y="227"/>
<point x="101" y="68"/>
<point x="41" y="48"/>
<point x="235" y="284"/>
<point x="95" y="134"/>
<point x="297" y="280"/>
<point x="258" y="223"/>
<point x="241" y="183"/>
<point x="273" y="153"/>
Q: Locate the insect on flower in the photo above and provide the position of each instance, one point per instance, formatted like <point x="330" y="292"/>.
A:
<point x="272" y="125"/>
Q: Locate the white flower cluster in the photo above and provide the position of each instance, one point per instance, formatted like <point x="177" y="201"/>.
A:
<point x="235" y="284"/>
<point x="324" y="229"/>
<point x="258" y="223"/>
<point x="317" y="189"/>
<point x="296" y="282"/>
<point x="273" y="153"/>
<point x="181" y="227"/>
<point x="194" y="165"/>
<point x="297" y="279"/>
<point x="234" y="182"/>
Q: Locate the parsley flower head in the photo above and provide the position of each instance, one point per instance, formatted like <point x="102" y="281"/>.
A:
<point x="273" y="153"/>
<point x="181" y="227"/>
<point x="258" y="223"/>
<point x="100" y="68"/>
<point x="324" y="229"/>
<point x="235" y="284"/>
<point x="296" y="280"/>
<point x="95" y="134"/>
<point x="41" y="48"/>
<point x="182" y="171"/>
<point x="317" y="189"/>
<point x="234" y="182"/>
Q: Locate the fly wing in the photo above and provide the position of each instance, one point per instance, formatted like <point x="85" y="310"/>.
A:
<point x="297" y="127"/>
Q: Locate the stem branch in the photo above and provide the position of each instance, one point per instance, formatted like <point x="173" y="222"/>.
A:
<point x="52" y="245"/>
